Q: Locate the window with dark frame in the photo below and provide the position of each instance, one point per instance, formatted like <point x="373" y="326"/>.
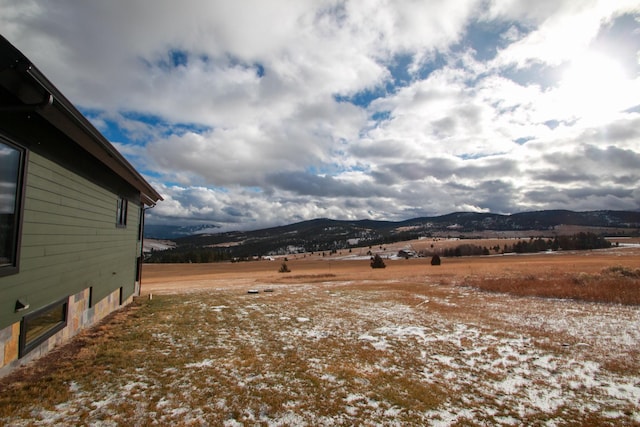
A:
<point x="37" y="327"/>
<point x="12" y="159"/>
<point x="121" y="212"/>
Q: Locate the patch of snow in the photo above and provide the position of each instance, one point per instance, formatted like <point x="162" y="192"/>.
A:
<point x="157" y="245"/>
<point x="203" y="364"/>
<point x="354" y="397"/>
<point x="175" y="412"/>
<point x="378" y="342"/>
<point x="134" y="384"/>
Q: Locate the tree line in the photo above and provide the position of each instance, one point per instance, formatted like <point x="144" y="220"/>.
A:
<point x="576" y="242"/>
<point x="580" y="241"/>
<point x="191" y="255"/>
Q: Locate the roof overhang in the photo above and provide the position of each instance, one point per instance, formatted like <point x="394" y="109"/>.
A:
<point x="34" y="92"/>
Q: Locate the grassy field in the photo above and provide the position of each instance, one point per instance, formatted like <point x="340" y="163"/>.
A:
<point x="507" y="340"/>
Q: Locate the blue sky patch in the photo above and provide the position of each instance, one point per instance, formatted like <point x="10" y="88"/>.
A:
<point x="178" y="58"/>
<point x="399" y="69"/>
<point x="536" y="73"/>
<point x="523" y="140"/>
<point x="150" y="126"/>
<point x="379" y="116"/>
<point x="364" y="98"/>
<point x="439" y="60"/>
<point x="486" y="38"/>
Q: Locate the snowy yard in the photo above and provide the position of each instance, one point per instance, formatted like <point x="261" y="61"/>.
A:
<point x="341" y="353"/>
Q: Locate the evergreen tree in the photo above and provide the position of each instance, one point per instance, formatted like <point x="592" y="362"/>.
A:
<point x="377" y="262"/>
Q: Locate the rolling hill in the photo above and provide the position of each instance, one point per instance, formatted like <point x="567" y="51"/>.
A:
<point x="328" y="234"/>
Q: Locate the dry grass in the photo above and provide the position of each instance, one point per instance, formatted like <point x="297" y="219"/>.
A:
<point x="614" y="284"/>
<point x="342" y="344"/>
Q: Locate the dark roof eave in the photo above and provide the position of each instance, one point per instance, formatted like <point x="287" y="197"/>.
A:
<point x="61" y="113"/>
<point x="67" y="118"/>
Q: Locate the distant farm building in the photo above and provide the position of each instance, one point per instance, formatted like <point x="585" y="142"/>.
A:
<point x="71" y="217"/>
<point x="406" y="253"/>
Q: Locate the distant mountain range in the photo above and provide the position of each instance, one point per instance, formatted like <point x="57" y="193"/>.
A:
<point x="176" y="231"/>
<point x="327" y="234"/>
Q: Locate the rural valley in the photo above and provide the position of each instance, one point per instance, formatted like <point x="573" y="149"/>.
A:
<point x="204" y="244"/>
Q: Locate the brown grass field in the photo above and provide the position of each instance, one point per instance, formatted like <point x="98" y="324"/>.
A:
<point x="564" y="268"/>
<point x="545" y="339"/>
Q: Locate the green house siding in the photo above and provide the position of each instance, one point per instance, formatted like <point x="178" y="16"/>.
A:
<point x="67" y="257"/>
<point x="70" y="241"/>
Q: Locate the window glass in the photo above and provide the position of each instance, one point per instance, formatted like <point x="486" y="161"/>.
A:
<point x="44" y="322"/>
<point x="10" y="187"/>
<point x="39" y="326"/>
<point x="121" y="212"/>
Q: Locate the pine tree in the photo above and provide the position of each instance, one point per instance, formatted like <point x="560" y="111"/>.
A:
<point x="284" y="268"/>
<point x="377" y="262"/>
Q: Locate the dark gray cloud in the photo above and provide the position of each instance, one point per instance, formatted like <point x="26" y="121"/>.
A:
<point x="613" y="157"/>
<point x="546" y="197"/>
<point x="584" y="199"/>
<point x="446" y="169"/>
<point x="413" y="171"/>
<point x="488" y="195"/>
<point x="563" y="177"/>
<point x="321" y="186"/>
<point x="589" y="164"/>
<point x="627" y="129"/>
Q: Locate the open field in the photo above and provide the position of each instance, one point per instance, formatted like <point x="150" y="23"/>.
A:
<point x="354" y="266"/>
<point x="335" y="342"/>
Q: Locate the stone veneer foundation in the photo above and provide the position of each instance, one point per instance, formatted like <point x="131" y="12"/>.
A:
<point x="80" y="316"/>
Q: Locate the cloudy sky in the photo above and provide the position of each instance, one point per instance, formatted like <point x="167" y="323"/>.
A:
<point x="253" y="113"/>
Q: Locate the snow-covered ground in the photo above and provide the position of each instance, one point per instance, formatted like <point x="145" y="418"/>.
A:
<point x="150" y="245"/>
<point x="388" y="354"/>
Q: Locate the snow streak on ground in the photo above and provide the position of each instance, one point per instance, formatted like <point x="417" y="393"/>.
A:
<point x="342" y="354"/>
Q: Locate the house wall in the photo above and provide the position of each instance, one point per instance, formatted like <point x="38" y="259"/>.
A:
<point x="81" y="316"/>
<point x="70" y="246"/>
